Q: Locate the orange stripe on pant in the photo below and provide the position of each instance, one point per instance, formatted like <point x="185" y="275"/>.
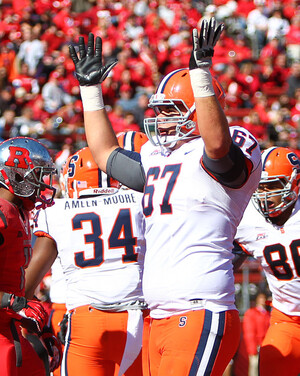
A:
<point x="103" y="343"/>
<point x="280" y="350"/>
<point x="195" y="343"/>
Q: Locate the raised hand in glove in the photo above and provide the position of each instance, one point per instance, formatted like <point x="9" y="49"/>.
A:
<point x="53" y="347"/>
<point x="88" y="67"/>
<point x="34" y="316"/>
<point x="203" y="44"/>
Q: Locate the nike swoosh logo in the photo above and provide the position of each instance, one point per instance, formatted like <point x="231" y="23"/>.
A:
<point x="187" y="152"/>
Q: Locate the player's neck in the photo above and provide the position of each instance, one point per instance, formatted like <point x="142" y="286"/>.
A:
<point x="5" y="194"/>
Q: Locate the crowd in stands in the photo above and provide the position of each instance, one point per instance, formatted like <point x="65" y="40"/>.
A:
<point x="257" y="61"/>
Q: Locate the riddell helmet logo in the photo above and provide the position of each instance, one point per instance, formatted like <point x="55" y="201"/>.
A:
<point x="104" y="190"/>
<point x="18" y="157"/>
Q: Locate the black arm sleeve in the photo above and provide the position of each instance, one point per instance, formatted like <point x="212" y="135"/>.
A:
<point x="230" y="170"/>
<point x="126" y="167"/>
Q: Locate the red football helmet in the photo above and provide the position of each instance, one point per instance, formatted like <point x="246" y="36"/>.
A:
<point x="175" y="90"/>
<point x="25" y="165"/>
<point x="280" y="165"/>
<point x="84" y="178"/>
<point x="132" y="140"/>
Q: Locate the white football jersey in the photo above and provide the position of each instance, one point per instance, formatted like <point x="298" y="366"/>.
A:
<point x="277" y="249"/>
<point x="58" y="287"/>
<point x="191" y="222"/>
<point x="101" y="246"/>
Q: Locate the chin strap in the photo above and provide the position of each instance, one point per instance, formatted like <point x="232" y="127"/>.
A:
<point x="7" y="182"/>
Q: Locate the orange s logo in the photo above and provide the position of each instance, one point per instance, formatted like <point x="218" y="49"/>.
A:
<point x="18" y="156"/>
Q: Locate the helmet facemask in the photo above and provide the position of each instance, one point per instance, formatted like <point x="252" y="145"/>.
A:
<point x="288" y="195"/>
<point x="184" y="127"/>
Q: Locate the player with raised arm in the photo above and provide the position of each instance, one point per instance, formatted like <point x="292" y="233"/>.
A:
<point x="97" y="232"/>
<point x="197" y="176"/>
<point x="269" y="231"/>
<point x="24" y="164"/>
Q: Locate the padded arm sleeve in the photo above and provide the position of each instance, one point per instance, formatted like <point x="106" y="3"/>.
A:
<point x="126" y="167"/>
<point x="230" y="170"/>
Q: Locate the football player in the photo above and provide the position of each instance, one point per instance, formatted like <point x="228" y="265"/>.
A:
<point x="24" y="165"/>
<point x="98" y="234"/>
<point x="197" y="177"/>
<point x="269" y="231"/>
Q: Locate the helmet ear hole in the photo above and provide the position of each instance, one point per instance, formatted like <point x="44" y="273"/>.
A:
<point x="19" y="178"/>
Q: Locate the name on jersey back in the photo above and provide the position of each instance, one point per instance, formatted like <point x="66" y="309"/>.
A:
<point x="108" y="200"/>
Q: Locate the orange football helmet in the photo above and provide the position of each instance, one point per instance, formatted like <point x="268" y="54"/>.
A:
<point x="280" y="165"/>
<point x="175" y="90"/>
<point x="132" y="140"/>
<point x="84" y="178"/>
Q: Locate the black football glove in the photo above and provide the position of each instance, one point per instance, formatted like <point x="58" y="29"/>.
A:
<point x="203" y="44"/>
<point x="61" y="335"/>
<point x="88" y="67"/>
<point x="54" y="348"/>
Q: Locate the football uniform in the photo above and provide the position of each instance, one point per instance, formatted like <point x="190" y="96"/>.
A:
<point x="17" y="356"/>
<point x="191" y="221"/>
<point x="277" y="249"/>
<point x="101" y="249"/>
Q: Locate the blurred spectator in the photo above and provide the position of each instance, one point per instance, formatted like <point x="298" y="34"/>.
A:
<point x="244" y="7"/>
<point x="261" y="107"/>
<point x="7" y="121"/>
<point x="116" y="117"/>
<point x="278" y="26"/>
<point x="272" y="49"/>
<point x="25" y="80"/>
<point x="256" y="322"/>
<point x="130" y="123"/>
<point x="294" y="143"/>
<point x="281" y="63"/>
<point x="53" y="37"/>
<point x="293" y="38"/>
<point x="270" y="76"/>
<point x="53" y="95"/>
<point x="165" y="12"/>
<point x="294" y="79"/>
<point x="141" y="111"/>
<point x="31" y="50"/>
<point x="126" y="100"/>
<point x="210" y="11"/>
<point x="26" y="126"/>
<point x="295" y="110"/>
<point x="7" y="59"/>
<point x="254" y="124"/>
<point x="248" y="78"/>
<point x="257" y="26"/>
<point x="7" y="99"/>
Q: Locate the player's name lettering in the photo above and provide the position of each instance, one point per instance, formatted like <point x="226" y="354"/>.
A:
<point x="109" y="200"/>
<point x="116" y="199"/>
<point x="81" y="203"/>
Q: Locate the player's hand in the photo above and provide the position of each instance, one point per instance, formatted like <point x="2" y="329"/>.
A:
<point x="34" y="316"/>
<point x="204" y="43"/>
<point x="53" y="347"/>
<point x="88" y="67"/>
